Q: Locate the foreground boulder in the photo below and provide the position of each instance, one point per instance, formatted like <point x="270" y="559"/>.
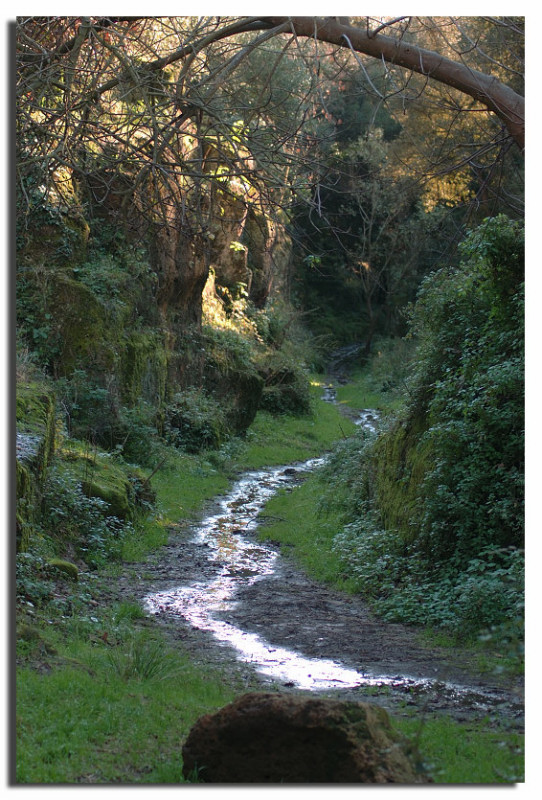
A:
<point x="274" y="738"/>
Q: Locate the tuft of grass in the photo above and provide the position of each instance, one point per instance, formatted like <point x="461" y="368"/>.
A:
<point x="142" y="659"/>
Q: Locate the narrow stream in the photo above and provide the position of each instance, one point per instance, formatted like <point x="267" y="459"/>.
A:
<point x="235" y="561"/>
<point x="242" y="561"/>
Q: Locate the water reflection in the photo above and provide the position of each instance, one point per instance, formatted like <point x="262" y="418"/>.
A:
<point x="241" y="562"/>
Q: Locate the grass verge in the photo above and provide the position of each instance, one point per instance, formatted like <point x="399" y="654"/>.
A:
<point x="465" y="753"/>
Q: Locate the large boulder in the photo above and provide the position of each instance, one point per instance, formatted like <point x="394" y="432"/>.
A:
<point x="276" y="738"/>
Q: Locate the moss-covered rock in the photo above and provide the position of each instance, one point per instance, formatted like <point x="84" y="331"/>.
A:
<point x="143" y="367"/>
<point x="79" y="325"/>
<point x="35" y="441"/>
<point x="194" y="421"/>
<point x="65" y="567"/>
<point x="61" y="238"/>
<point x="402" y="459"/>
<point x="107" y="481"/>
<point x="231" y="376"/>
<point x="35" y="414"/>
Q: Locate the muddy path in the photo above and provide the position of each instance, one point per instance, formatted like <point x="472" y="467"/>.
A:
<point x="234" y="603"/>
<point x="255" y="628"/>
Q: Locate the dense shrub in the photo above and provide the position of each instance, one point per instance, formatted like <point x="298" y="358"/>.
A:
<point x="434" y="527"/>
<point x="470" y="326"/>
<point x="286" y="388"/>
<point x="194" y="421"/>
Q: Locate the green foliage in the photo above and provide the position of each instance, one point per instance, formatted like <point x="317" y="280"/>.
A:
<point x="194" y="421"/>
<point x="70" y="516"/>
<point x="434" y="527"/>
<point x="484" y="594"/>
<point x="121" y="278"/>
<point x="470" y="327"/>
<point x="227" y="350"/>
<point x="33" y="578"/>
<point x="286" y="387"/>
<point x="94" y="412"/>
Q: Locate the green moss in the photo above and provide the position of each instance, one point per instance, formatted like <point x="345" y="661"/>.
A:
<point x="59" y="239"/>
<point x="35" y="414"/>
<point x="401" y="462"/>
<point x="143" y="368"/>
<point x="101" y="477"/>
<point x="66" y="567"/>
<point x="231" y="376"/>
<point x="79" y="325"/>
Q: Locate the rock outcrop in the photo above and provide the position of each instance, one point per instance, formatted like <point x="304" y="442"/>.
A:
<point x="275" y="738"/>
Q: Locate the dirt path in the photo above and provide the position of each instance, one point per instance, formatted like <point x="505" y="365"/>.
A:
<point x="287" y="609"/>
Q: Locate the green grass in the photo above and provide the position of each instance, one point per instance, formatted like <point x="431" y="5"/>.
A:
<point x="465" y="753"/>
<point x="274" y="440"/>
<point x="111" y="714"/>
<point x="361" y="392"/>
<point x="292" y="518"/>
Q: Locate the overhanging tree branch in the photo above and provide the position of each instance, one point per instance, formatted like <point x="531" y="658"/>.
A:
<point x="507" y="104"/>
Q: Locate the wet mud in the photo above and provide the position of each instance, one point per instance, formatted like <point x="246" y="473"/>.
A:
<point x="246" y="608"/>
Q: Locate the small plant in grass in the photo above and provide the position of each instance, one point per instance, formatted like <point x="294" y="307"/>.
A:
<point x="128" y="611"/>
<point x="33" y="579"/>
<point x="141" y="659"/>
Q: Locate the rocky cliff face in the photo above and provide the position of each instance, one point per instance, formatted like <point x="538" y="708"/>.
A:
<point x="113" y="300"/>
